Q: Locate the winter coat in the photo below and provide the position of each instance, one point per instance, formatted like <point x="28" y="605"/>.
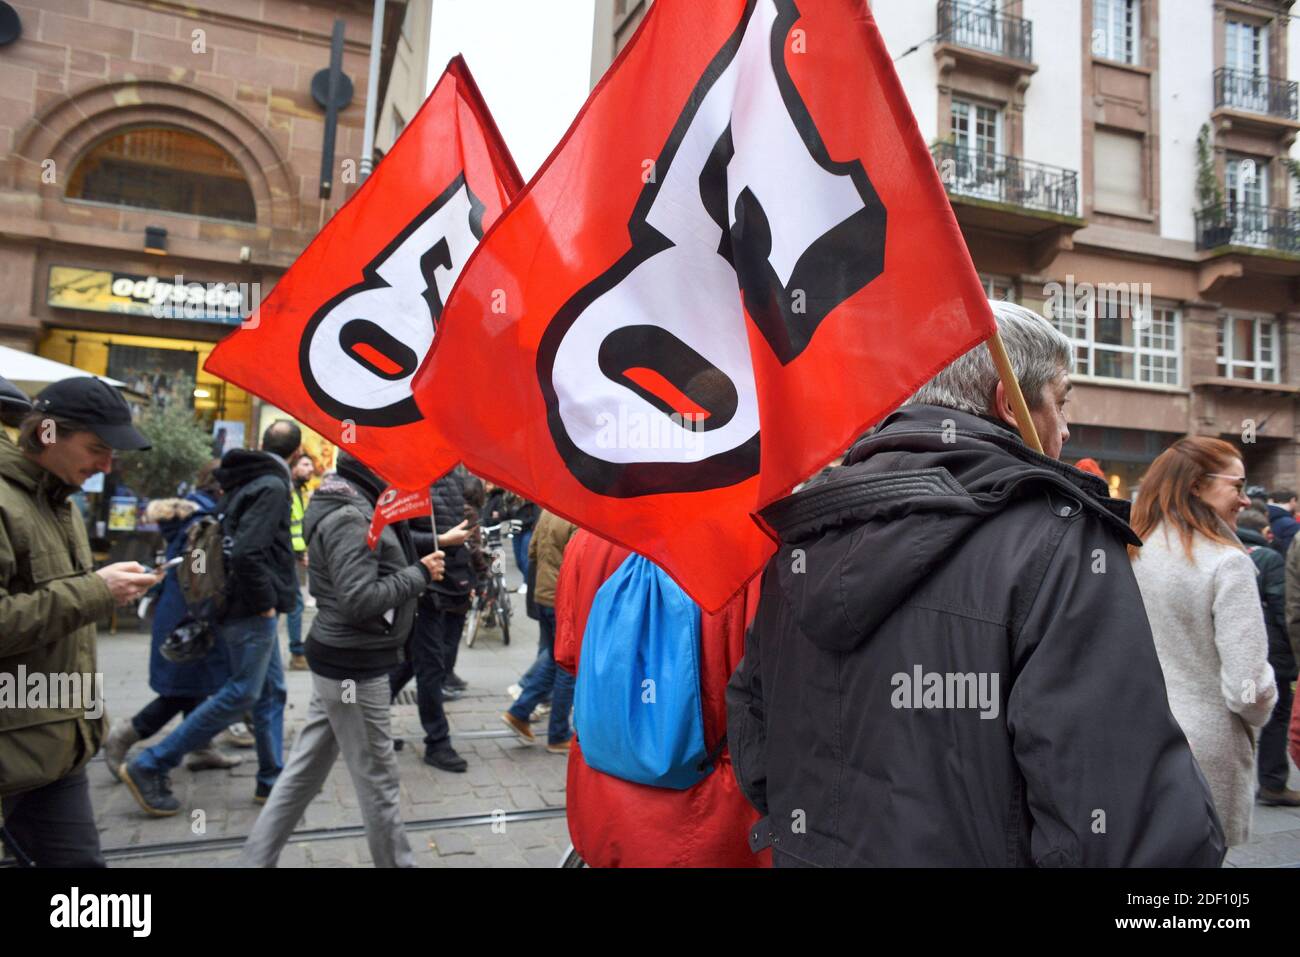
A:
<point x="1292" y="608"/>
<point x="50" y="599"/>
<point x="451" y="594"/>
<point x="196" y="679"/>
<point x="1284" y="526"/>
<point x="617" y="823"/>
<point x="1209" y="632"/>
<point x="950" y="666"/>
<point x="1270" y="568"/>
<point x="545" y="552"/>
<point x="356" y="587"/>
<point x="261" y="569"/>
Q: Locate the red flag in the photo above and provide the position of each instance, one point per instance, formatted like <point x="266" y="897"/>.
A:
<point x="338" y="341"/>
<point x="397" y="505"/>
<point x="739" y="257"/>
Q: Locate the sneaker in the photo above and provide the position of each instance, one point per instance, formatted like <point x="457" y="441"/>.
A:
<point x="557" y="747"/>
<point x="454" y="680"/>
<point x="236" y="736"/>
<point x="515" y="690"/>
<point x="120" y="738"/>
<point x="298" y="663"/>
<point x="206" y="759"/>
<point x="518" y="727"/>
<point x="451" y="694"/>
<point x="1284" y="797"/>
<point x="446" y="758"/>
<point x="151" y="790"/>
<point x="523" y="589"/>
<point x="262" y="792"/>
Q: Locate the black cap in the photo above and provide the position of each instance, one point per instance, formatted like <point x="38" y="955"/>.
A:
<point x="96" y="405"/>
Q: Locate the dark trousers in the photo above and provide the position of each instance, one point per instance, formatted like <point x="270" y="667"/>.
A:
<point x="154" y="716"/>
<point x="426" y="660"/>
<point x="449" y="632"/>
<point x="54" y="825"/>
<point x="1273" y="767"/>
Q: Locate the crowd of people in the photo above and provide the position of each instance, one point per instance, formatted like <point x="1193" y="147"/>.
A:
<point x="964" y="652"/>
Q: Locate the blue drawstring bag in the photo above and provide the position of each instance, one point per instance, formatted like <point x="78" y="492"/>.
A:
<point x="637" y="705"/>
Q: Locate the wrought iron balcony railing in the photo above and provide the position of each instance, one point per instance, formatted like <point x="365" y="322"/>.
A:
<point x="975" y="27"/>
<point x="1240" y="90"/>
<point x="1234" y="224"/>
<point x="1007" y="179"/>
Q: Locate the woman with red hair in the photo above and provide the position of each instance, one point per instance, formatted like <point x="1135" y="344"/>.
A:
<point x="1198" y="586"/>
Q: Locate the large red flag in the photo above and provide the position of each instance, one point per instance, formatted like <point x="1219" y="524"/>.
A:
<point x="338" y="341"/>
<point x="739" y="257"/>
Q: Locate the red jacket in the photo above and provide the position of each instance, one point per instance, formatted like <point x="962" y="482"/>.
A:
<point x="617" y="823"/>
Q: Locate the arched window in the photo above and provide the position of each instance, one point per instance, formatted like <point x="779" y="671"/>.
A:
<point x="164" y="168"/>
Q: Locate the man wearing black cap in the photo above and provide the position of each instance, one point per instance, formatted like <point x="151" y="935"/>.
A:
<point x="261" y="581"/>
<point x="50" y="599"/>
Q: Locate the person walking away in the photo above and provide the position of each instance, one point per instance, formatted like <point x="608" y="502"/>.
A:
<point x="526" y="514"/>
<point x="50" y="599"/>
<point x="618" y="823"/>
<point x="426" y="657"/>
<point x="1198" y="586"/>
<point x="544" y="680"/>
<point x="260" y="583"/>
<point x="1254" y="533"/>
<point x="301" y="468"/>
<point x="451" y="594"/>
<point x="939" y="673"/>
<point x="180" y="687"/>
<point x="365" y="600"/>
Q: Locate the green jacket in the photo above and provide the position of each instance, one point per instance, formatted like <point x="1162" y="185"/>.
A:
<point x="50" y="599"/>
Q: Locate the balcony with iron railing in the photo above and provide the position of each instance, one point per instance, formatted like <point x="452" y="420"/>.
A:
<point x="1252" y="93"/>
<point x="1008" y="180"/>
<point x="1259" y="227"/>
<point x="976" y="28"/>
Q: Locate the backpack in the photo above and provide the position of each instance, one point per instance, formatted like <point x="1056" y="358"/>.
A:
<point x="202" y="572"/>
<point x="637" y="705"/>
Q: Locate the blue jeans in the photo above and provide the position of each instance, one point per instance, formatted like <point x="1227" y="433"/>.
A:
<point x="521" y="551"/>
<point x="294" y="626"/>
<point x="547" y="679"/>
<point x="256" y="682"/>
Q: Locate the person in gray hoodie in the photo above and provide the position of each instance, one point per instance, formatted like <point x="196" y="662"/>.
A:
<point x="365" y="608"/>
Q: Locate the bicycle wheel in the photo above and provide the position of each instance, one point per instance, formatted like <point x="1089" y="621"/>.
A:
<point x="471" y="625"/>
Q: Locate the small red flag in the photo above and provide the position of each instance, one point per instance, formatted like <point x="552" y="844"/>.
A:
<point x="338" y="341"/>
<point x="739" y="258"/>
<point x="397" y="505"/>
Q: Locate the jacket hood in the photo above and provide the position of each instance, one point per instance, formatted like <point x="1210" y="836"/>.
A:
<point x="160" y="510"/>
<point x="240" y="466"/>
<point x="904" y="500"/>
<point x="334" y="493"/>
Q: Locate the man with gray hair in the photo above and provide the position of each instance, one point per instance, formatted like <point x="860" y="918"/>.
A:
<point x="951" y="664"/>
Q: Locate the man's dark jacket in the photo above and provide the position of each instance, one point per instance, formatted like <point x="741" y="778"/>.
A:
<point x="946" y="546"/>
<point x="1272" y="592"/>
<point x="261" y="571"/>
<point x="448" y="495"/>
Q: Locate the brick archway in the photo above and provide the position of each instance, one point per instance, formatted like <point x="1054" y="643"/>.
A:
<point x="70" y="125"/>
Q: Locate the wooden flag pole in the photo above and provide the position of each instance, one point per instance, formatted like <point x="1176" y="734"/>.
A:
<point x="1008" y="376"/>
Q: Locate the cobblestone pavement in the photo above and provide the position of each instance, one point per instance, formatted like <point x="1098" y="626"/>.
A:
<point x="504" y="775"/>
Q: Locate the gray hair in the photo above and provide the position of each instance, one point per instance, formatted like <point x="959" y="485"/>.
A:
<point x="1038" y="353"/>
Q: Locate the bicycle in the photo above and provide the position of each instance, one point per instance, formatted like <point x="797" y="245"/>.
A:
<point x="491" y="605"/>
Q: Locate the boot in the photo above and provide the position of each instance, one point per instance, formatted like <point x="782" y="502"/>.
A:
<point x="120" y="738"/>
<point x="207" y="758"/>
<point x="151" y="789"/>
